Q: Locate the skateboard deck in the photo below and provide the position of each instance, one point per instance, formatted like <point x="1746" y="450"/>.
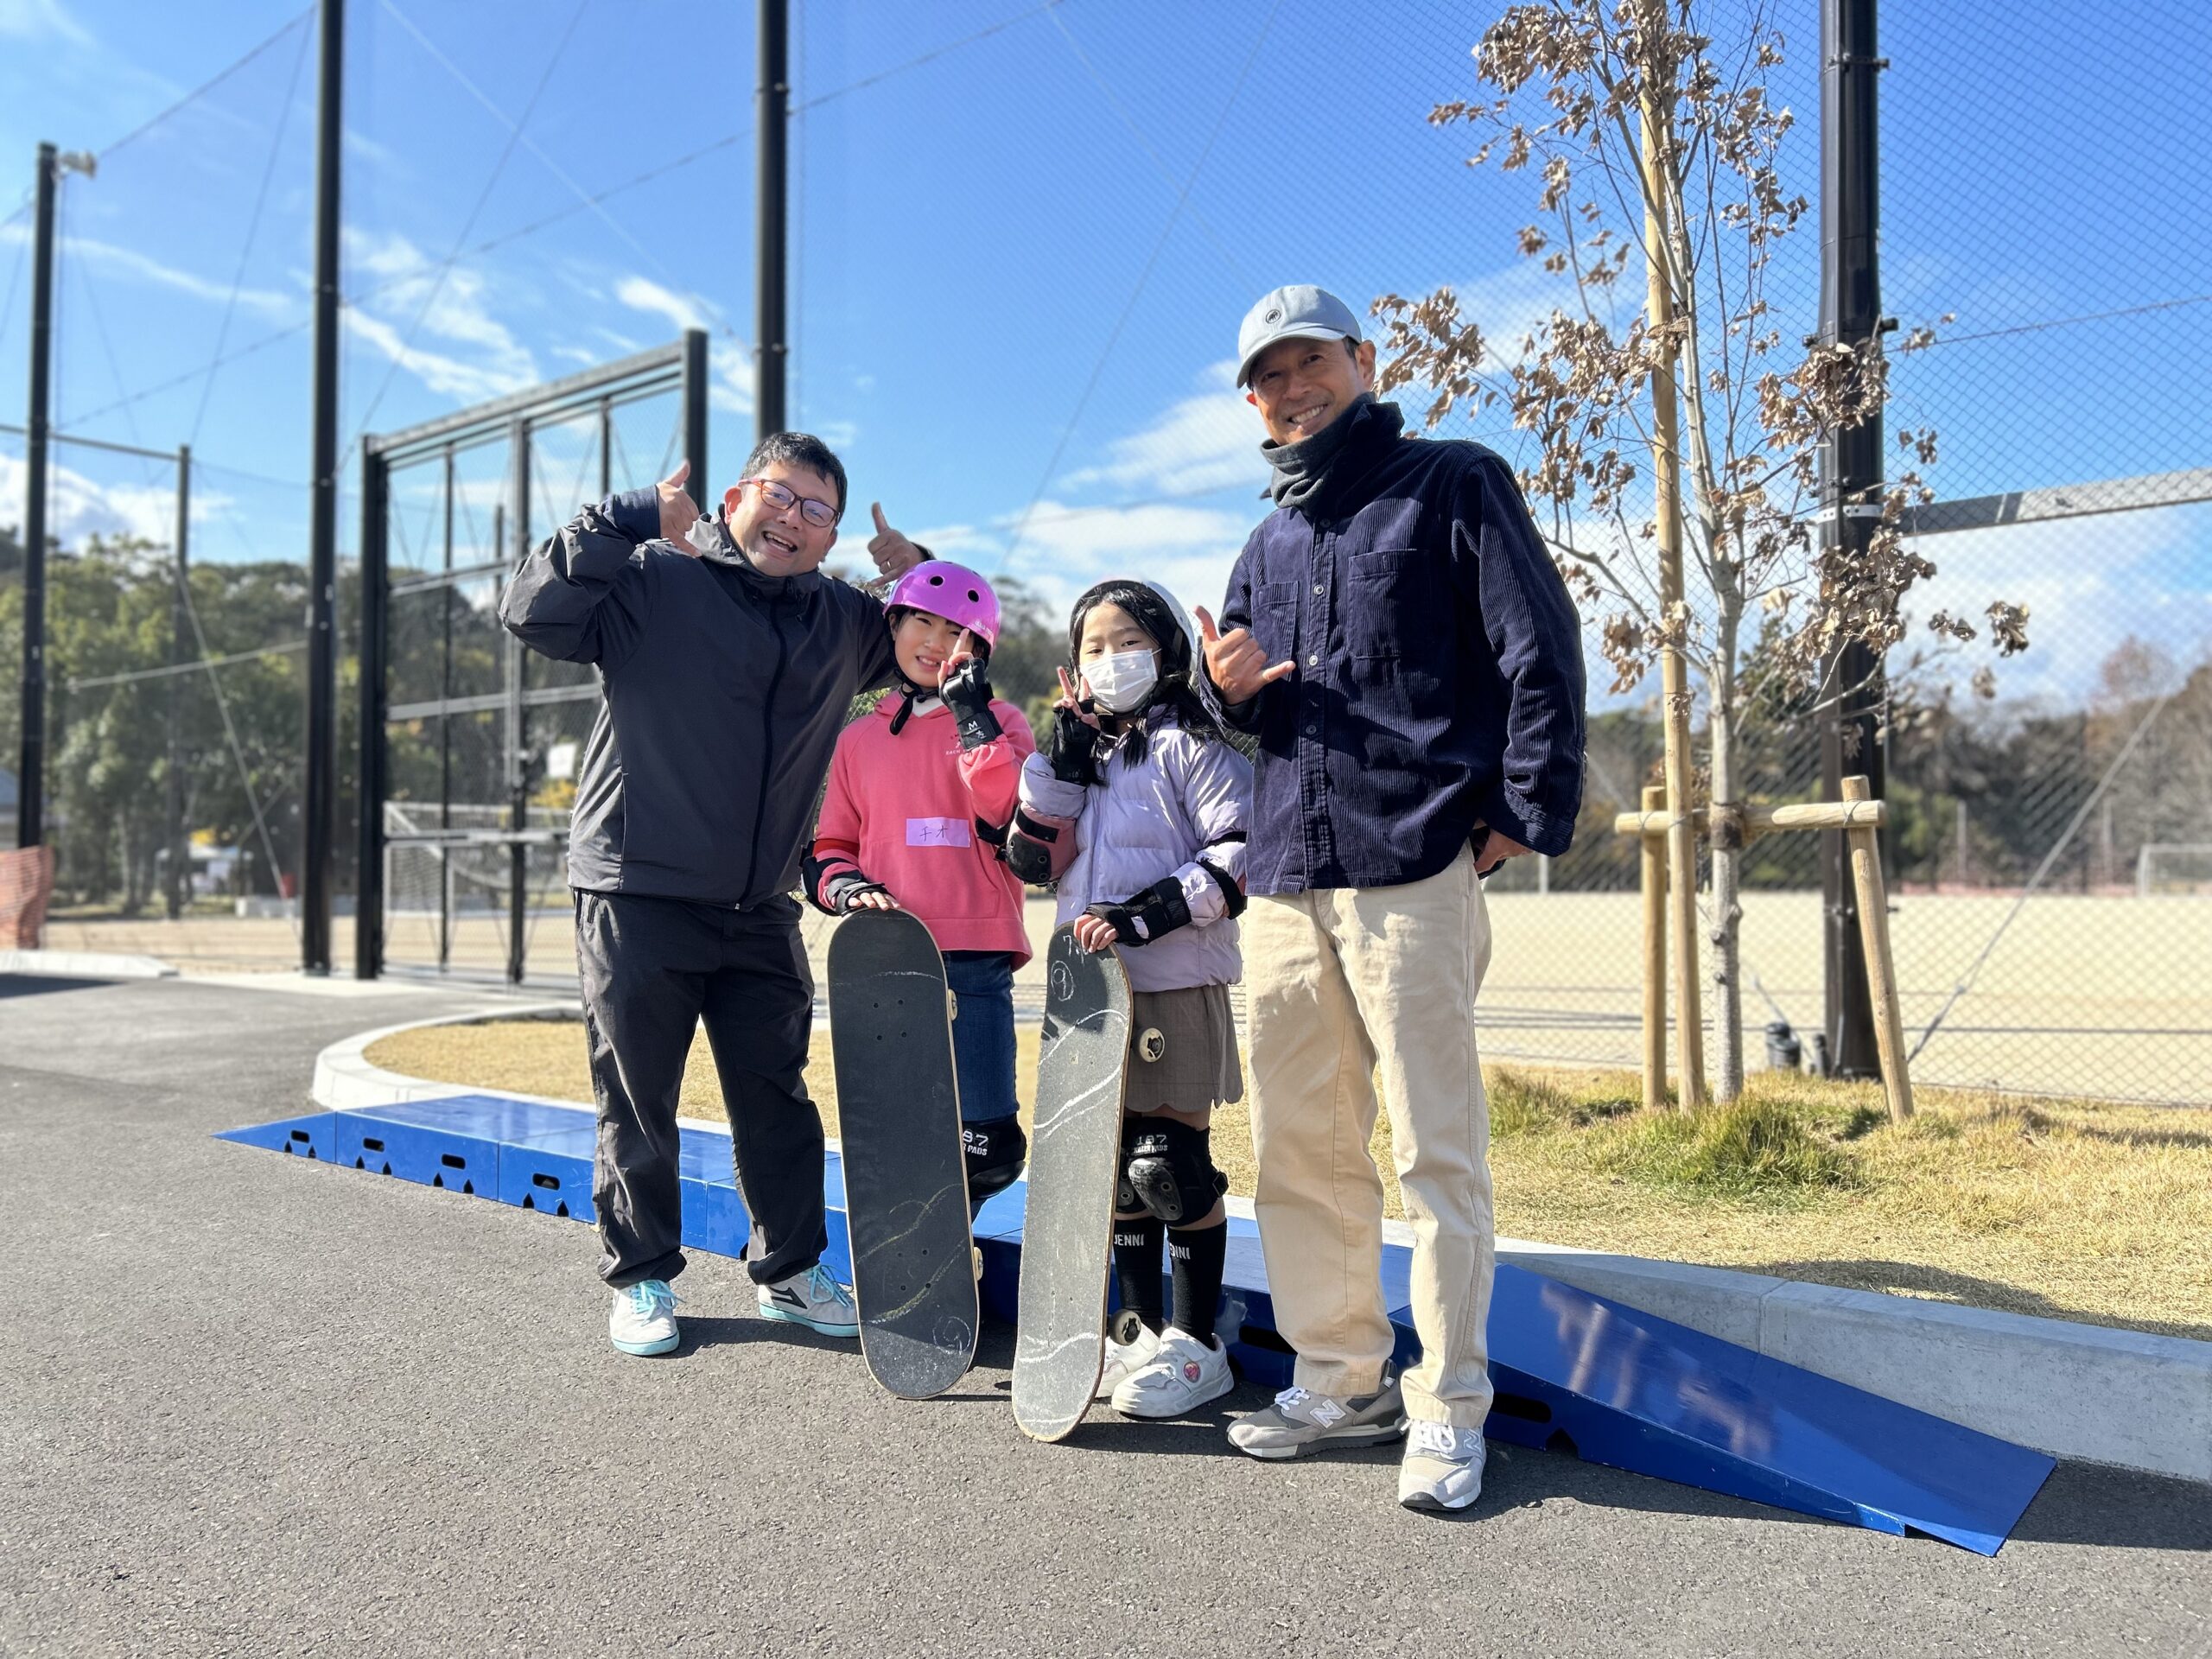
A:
<point x="905" y="1175"/>
<point x="1067" y="1233"/>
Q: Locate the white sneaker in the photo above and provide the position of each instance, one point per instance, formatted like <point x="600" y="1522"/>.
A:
<point x="1125" y="1359"/>
<point x="1443" y="1467"/>
<point x="643" y="1320"/>
<point x="814" y="1299"/>
<point x="1183" y="1374"/>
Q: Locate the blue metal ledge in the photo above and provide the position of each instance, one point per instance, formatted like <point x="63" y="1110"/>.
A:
<point x="1574" y="1372"/>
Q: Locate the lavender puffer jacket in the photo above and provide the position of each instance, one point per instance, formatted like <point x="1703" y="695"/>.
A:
<point x="1187" y="799"/>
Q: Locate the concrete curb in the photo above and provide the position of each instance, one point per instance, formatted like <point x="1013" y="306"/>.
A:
<point x="84" y="964"/>
<point x="2090" y="1393"/>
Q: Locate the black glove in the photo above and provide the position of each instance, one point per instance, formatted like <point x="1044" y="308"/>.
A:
<point x="1074" y="752"/>
<point x="842" y="891"/>
<point x="967" y="692"/>
<point x="1160" y="908"/>
<point x="834" y="886"/>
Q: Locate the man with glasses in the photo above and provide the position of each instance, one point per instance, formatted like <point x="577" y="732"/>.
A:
<point x="728" y="662"/>
<point x="1399" y="640"/>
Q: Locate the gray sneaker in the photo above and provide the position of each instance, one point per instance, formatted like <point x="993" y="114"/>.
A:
<point x="1443" y="1468"/>
<point x="1299" y="1421"/>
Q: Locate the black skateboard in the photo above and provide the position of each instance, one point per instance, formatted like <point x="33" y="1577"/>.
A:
<point x="905" y="1176"/>
<point x="1067" y="1233"/>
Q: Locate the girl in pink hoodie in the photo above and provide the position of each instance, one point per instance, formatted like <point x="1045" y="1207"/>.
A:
<point x="921" y="792"/>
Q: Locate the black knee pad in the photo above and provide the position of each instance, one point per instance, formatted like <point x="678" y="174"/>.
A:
<point x="995" y="1150"/>
<point x="1169" y="1170"/>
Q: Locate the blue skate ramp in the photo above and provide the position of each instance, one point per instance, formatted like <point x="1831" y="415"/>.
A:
<point x="1574" y="1372"/>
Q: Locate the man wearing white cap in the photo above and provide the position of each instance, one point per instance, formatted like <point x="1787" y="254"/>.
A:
<point x="1402" y="644"/>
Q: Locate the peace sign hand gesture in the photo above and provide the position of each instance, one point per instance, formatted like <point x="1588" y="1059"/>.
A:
<point x="1074" y="749"/>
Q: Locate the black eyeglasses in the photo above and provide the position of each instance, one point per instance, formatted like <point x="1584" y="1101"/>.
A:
<point x="782" y="499"/>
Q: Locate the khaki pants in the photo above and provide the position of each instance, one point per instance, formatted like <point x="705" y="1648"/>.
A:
<point x="1339" y="983"/>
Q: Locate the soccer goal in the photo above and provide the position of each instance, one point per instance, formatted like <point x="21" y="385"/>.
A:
<point x="2170" y="867"/>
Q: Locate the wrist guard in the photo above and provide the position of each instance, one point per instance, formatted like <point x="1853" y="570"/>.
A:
<point x="1074" y="752"/>
<point x="967" y="692"/>
<point x="1160" y="908"/>
<point x="833" y="886"/>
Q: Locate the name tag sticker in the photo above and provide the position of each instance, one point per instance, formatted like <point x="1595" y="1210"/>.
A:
<point x="938" y="832"/>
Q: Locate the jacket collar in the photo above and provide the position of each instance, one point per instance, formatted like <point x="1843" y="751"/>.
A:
<point x="1370" y="431"/>
<point x="722" y="550"/>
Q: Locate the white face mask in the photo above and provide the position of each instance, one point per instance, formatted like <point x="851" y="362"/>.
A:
<point x="1122" y="682"/>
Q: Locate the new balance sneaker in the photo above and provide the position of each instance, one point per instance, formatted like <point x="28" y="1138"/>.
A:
<point x="1125" y="1359"/>
<point x="1443" y="1468"/>
<point x="1184" y="1373"/>
<point x="814" y="1299"/>
<point x="643" y="1321"/>
<point x="1299" y="1421"/>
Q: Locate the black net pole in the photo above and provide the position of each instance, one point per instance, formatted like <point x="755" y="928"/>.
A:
<point x="1851" y="314"/>
<point x="773" y="101"/>
<point x="179" y="887"/>
<point x="31" y="799"/>
<point x="518" y="734"/>
<point x="695" y="414"/>
<point x="319" y="797"/>
<point x="375" y="656"/>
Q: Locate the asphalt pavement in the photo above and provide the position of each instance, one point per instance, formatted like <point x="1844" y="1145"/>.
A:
<point x="250" y="1405"/>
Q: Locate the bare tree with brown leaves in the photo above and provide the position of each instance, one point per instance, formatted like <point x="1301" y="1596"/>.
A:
<point x="1632" y="116"/>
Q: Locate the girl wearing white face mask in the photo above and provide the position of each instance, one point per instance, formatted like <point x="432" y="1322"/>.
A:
<point x="1137" y="809"/>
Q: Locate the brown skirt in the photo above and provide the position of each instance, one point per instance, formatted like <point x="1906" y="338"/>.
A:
<point x="1183" y="1051"/>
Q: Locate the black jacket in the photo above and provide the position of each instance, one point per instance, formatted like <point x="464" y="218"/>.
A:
<point x="1439" y="668"/>
<point x="724" y="694"/>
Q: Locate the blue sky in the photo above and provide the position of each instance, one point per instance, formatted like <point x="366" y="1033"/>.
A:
<point x="1020" y="261"/>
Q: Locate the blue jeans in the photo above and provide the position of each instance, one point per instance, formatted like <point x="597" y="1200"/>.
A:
<point x="982" y="1035"/>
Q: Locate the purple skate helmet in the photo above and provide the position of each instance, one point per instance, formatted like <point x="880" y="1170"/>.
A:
<point x="953" y="592"/>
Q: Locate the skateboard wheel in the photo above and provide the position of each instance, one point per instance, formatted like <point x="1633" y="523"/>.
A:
<point x="1152" y="1043"/>
<point x="1125" y="1325"/>
<point x="952" y="1005"/>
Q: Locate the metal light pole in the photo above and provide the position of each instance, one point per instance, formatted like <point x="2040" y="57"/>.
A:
<point x="319" y="795"/>
<point x="1851" y="477"/>
<point x="773" y="102"/>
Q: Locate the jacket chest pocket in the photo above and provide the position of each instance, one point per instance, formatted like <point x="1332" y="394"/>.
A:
<point x="1391" y="608"/>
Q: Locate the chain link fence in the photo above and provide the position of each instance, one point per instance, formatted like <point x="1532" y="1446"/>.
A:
<point x="173" y="718"/>
<point x="2045" y="212"/>
<point x="2051" y="922"/>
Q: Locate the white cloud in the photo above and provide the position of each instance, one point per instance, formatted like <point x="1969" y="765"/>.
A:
<point x="130" y="263"/>
<point x="32" y="20"/>
<point x="1208" y="441"/>
<point x="730" y="361"/>
<point x="576" y="354"/>
<point x="406" y="286"/>
<point x="78" y="508"/>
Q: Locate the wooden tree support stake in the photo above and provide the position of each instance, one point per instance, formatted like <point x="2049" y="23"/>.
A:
<point x="1859" y="816"/>
<point x="1874" y="937"/>
<point x="1653" y="849"/>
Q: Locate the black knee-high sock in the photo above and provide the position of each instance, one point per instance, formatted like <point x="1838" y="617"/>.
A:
<point x="1136" y="1266"/>
<point x="1197" y="1257"/>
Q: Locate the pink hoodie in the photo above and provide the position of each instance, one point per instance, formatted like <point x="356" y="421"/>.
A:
<point x="910" y="811"/>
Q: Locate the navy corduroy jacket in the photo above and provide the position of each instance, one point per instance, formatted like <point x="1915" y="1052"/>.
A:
<point x="1439" y="677"/>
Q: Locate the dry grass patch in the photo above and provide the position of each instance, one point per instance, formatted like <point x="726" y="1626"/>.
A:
<point x="2068" y="1209"/>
